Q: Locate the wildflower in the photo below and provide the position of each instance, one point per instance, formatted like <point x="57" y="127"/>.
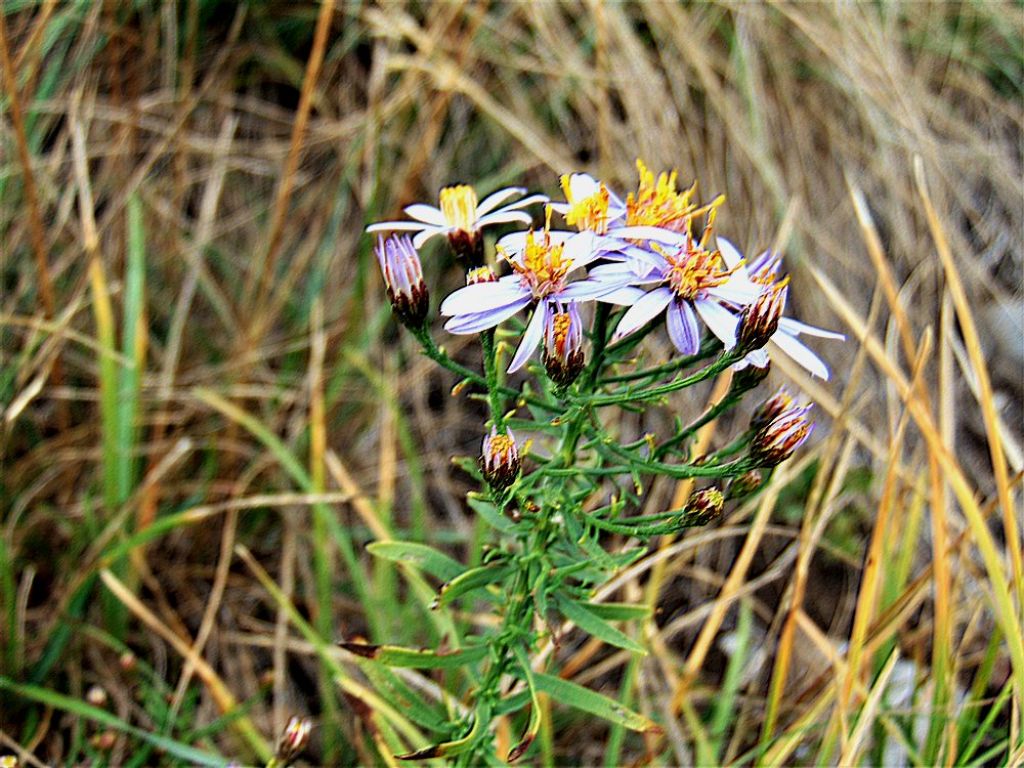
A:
<point x="744" y="485"/>
<point x="589" y="204"/>
<point x="403" y="276"/>
<point x="541" y="264"/>
<point x="776" y="442"/>
<point x="293" y="739"/>
<point x="771" y="408"/>
<point x="563" y="345"/>
<point x="704" y="506"/>
<point x="763" y="271"/>
<point x="690" y="281"/>
<point x="748" y="377"/>
<point x="499" y="459"/>
<point x="657" y="203"/>
<point x="8" y="761"/>
<point x="461" y="218"/>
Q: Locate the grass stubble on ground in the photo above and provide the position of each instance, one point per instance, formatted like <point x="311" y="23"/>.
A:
<point x="208" y="413"/>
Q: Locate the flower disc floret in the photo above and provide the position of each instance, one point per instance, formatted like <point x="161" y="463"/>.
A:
<point x="586" y="213"/>
<point x="657" y="203"/>
<point x="544" y="265"/>
<point x="458" y="206"/>
<point x="693" y="270"/>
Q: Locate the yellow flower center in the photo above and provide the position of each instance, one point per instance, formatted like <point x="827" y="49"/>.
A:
<point x="560" y="324"/>
<point x="657" y="203"/>
<point x="501" y="448"/>
<point x="458" y="206"/>
<point x="694" y="269"/>
<point x="544" y="265"/>
<point x="589" y="212"/>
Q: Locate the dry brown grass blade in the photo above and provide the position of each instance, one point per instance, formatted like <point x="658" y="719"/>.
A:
<point x="988" y="408"/>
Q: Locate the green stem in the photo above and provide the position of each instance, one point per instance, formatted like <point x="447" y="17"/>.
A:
<point x="631" y="395"/>
<point x="492" y="382"/>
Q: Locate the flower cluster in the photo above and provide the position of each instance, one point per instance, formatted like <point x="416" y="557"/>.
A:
<point x="646" y="254"/>
<point x="587" y="279"/>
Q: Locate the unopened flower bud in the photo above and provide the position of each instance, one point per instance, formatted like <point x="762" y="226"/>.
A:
<point x="760" y="320"/>
<point x="403" y="277"/>
<point x="744" y="485"/>
<point x="704" y="506"/>
<point x="8" y="761"/>
<point x="776" y="442"/>
<point x="482" y="274"/>
<point x="294" y="739"/>
<point x="127" y="661"/>
<point x="770" y="409"/>
<point x="104" y="741"/>
<point x="499" y="459"/>
<point x="563" y="346"/>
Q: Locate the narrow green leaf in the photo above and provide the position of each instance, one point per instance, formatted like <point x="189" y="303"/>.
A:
<point x="573" y="695"/>
<point x="189" y="755"/>
<point x="619" y="611"/>
<point x="471" y="580"/>
<point x="429" y="559"/>
<point x="394" y="656"/>
<point x="590" y="622"/>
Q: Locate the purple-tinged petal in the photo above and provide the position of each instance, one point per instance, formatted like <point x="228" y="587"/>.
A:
<point x="481" y="297"/>
<point x="480" y="321"/>
<point x="579" y="249"/>
<point x="795" y="328"/>
<point x="758" y="358"/>
<point x="531" y="338"/>
<point x="721" y="321"/>
<point x="428" y="214"/>
<point x="515" y="242"/>
<point x="643" y="311"/>
<point x="682" y="327"/>
<point x="586" y="290"/>
<point x="395" y="226"/>
<point x="738" y="289"/>
<point x="801" y="354"/>
<point x="495" y="199"/>
<point x="657" y="234"/>
<point x="730" y="253"/>
<point x="624" y="297"/>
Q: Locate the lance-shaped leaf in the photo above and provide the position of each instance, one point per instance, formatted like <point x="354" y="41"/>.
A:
<point x="619" y="611"/>
<point x="490" y="514"/>
<point x="473" y="579"/>
<point x="396" y="656"/>
<point x="481" y="720"/>
<point x="590" y="622"/>
<point x="573" y="695"/>
<point x="533" y="727"/>
<point x="429" y="559"/>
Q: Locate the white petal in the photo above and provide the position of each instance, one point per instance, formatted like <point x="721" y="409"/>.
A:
<point x="801" y="354"/>
<point x="481" y="297"/>
<point x="495" y="199"/>
<point x="730" y="253"/>
<point x="758" y="358"/>
<point x="532" y="337"/>
<point x="503" y="217"/>
<point x="395" y="226"/>
<point x="738" y="289"/>
<point x="515" y="242"/>
<point x="481" y="321"/>
<point x="795" y="328"/>
<point x="583" y="185"/>
<point x="427" y="214"/>
<point x="647" y="307"/>
<point x="720" y="320"/>
<point x="427" y="233"/>
<point x="579" y="249"/>
<point x="682" y="327"/>
<point x="529" y="200"/>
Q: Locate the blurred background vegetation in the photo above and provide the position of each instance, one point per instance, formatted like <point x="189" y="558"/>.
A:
<point x="200" y="380"/>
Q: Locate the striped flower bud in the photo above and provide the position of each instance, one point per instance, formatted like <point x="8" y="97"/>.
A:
<point x="482" y="274"/>
<point x="563" y="346"/>
<point x="770" y="408"/>
<point x="744" y="485"/>
<point x="294" y="739"/>
<point x="748" y="377"/>
<point x="499" y="459"/>
<point x="403" y="277"/>
<point x="704" y="506"/>
<point x="776" y="442"/>
<point x="760" y="320"/>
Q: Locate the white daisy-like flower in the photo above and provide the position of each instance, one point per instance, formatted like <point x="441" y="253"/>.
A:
<point x="461" y="218"/>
